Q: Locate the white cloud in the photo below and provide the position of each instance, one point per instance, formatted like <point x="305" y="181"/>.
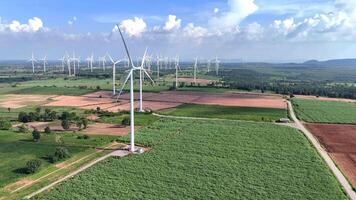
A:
<point x="194" y="31"/>
<point x="216" y="10"/>
<point x="254" y="31"/>
<point x="133" y="27"/>
<point x="72" y="21"/>
<point x="34" y="24"/>
<point x="238" y="11"/>
<point x="172" y="23"/>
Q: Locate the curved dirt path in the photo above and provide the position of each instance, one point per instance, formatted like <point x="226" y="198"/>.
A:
<point x="338" y="174"/>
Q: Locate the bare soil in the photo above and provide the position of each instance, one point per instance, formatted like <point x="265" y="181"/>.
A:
<point x="107" y="129"/>
<point x="19" y="101"/>
<point x="340" y="142"/>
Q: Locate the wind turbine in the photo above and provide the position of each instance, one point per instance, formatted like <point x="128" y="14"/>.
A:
<point x="68" y="63"/>
<point x="91" y="62"/>
<point x="217" y="66"/>
<point x="131" y="77"/>
<point x="195" y="70"/>
<point x="103" y="61"/>
<point x="158" y="66"/>
<point x="63" y="61"/>
<point x="177" y="67"/>
<point x="74" y="59"/>
<point x="33" y="60"/>
<point x="142" y="74"/>
<point x="208" y="65"/>
<point x="114" y="74"/>
<point x="44" y="59"/>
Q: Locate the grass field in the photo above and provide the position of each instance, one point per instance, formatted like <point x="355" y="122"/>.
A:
<point x="141" y="119"/>
<point x="195" y="159"/>
<point x="51" y="90"/>
<point x="325" y="111"/>
<point x="73" y="86"/>
<point x="17" y="148"/>
<point x="226" y="112"/>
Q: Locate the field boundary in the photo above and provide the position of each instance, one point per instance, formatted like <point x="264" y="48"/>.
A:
<point x="336" y="171"/>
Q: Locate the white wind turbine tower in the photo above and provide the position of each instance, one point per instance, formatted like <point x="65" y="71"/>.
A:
<point x="33" y="60"/>
<point x="177" y="67"/>
<point x="208" y="65"/>
<point x="114" y="74"/>
<point x="74" y="59"/>
<point x="68" y="64"/>
<point x="158" y="66"/>
<point x="91" y="62"/>
<point x="63" y="59"/>
<point x="217" y="66"/>
<point x="131" y="77"/>
<point x="103" y="62"/>
<point x="142" y="74"/>
<point x="195" y="70"/>
<point x="44" y="59"/>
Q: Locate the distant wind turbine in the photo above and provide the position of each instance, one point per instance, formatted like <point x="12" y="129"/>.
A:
<point x="114" y="74"/>
<point x="33" y="60"/>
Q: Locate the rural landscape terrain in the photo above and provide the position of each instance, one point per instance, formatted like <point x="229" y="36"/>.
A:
<point x="217" y="99"/>
<point x="201" y="139"/>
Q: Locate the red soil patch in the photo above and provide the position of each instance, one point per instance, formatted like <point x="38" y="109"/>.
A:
<point x="19" y="101"/>
<point x="340" y="142"/>
<point x="107" y="129"/>
<point x="223" y="99"/>
<point x="169" y="99"/>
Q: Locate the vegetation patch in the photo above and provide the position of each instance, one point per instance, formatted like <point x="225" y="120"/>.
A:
<point x="325" y="111"/>
<point x="227" y="112"/>
<point x="196" y="159"/>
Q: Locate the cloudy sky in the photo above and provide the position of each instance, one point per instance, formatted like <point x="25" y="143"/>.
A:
<point x="251" y="30"/>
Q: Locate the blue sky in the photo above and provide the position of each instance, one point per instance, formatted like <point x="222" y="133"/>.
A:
<point x="252" y="30"/>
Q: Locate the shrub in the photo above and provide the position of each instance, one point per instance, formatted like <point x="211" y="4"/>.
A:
<point x="126" y="121"/>
<point x="47" y="130"/>
<point x="83" y="137"/>
<point x="23" y="117"/>
<point x="53" y="159"/>
<point x="33" y="165"/>
<point x="84" y="123"/>
<point x="65" y="124"/>
<point x="5" y="125"/>
<point x="36" y="135"/>
<point x="23" y="128"/>
<point x="61" y="153"/>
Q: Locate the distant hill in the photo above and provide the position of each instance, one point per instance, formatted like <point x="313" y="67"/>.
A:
<point x="333" y="63"/>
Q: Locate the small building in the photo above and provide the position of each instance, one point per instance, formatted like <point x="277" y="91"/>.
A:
<point x="284" y="120"/>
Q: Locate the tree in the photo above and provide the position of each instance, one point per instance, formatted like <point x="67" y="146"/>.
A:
<point x="65" y="124"/>
<point x="5" y="125"/>
<point x="23" y="117"/>
<point x="36" y="135"/>
<point x="61" y="153"/>
<point x="9" y="109"/>
<point x="126" y="121"/>
<point x="79" y="124"/>
<point x="85" y="123"/>
<point x="23" y="128"/>
<point x="53" y="116"/>
<point x="33" y="165"/>
<point x="38" y="110"/>
<point x="47" y="130"/>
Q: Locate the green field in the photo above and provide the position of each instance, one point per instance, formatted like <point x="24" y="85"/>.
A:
<point x="226" y="112"/>
<point x="17" y="148"/>
<point x="196" y="159"/>
<point x="325" y="111"/>
<point x="74" y="86"/>
<point x="141" y="119"/>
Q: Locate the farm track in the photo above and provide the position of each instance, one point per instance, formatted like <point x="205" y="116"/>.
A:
<point x="338" y="174"/>
<point x="64" y="167"/>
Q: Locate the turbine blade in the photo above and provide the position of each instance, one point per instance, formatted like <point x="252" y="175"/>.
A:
<point x="126" y="49"/>
<point x="112" y="60"/>
<point x="144" y="58"/>
<point x="148" y="76"/>
<point x="123" y="86"/>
